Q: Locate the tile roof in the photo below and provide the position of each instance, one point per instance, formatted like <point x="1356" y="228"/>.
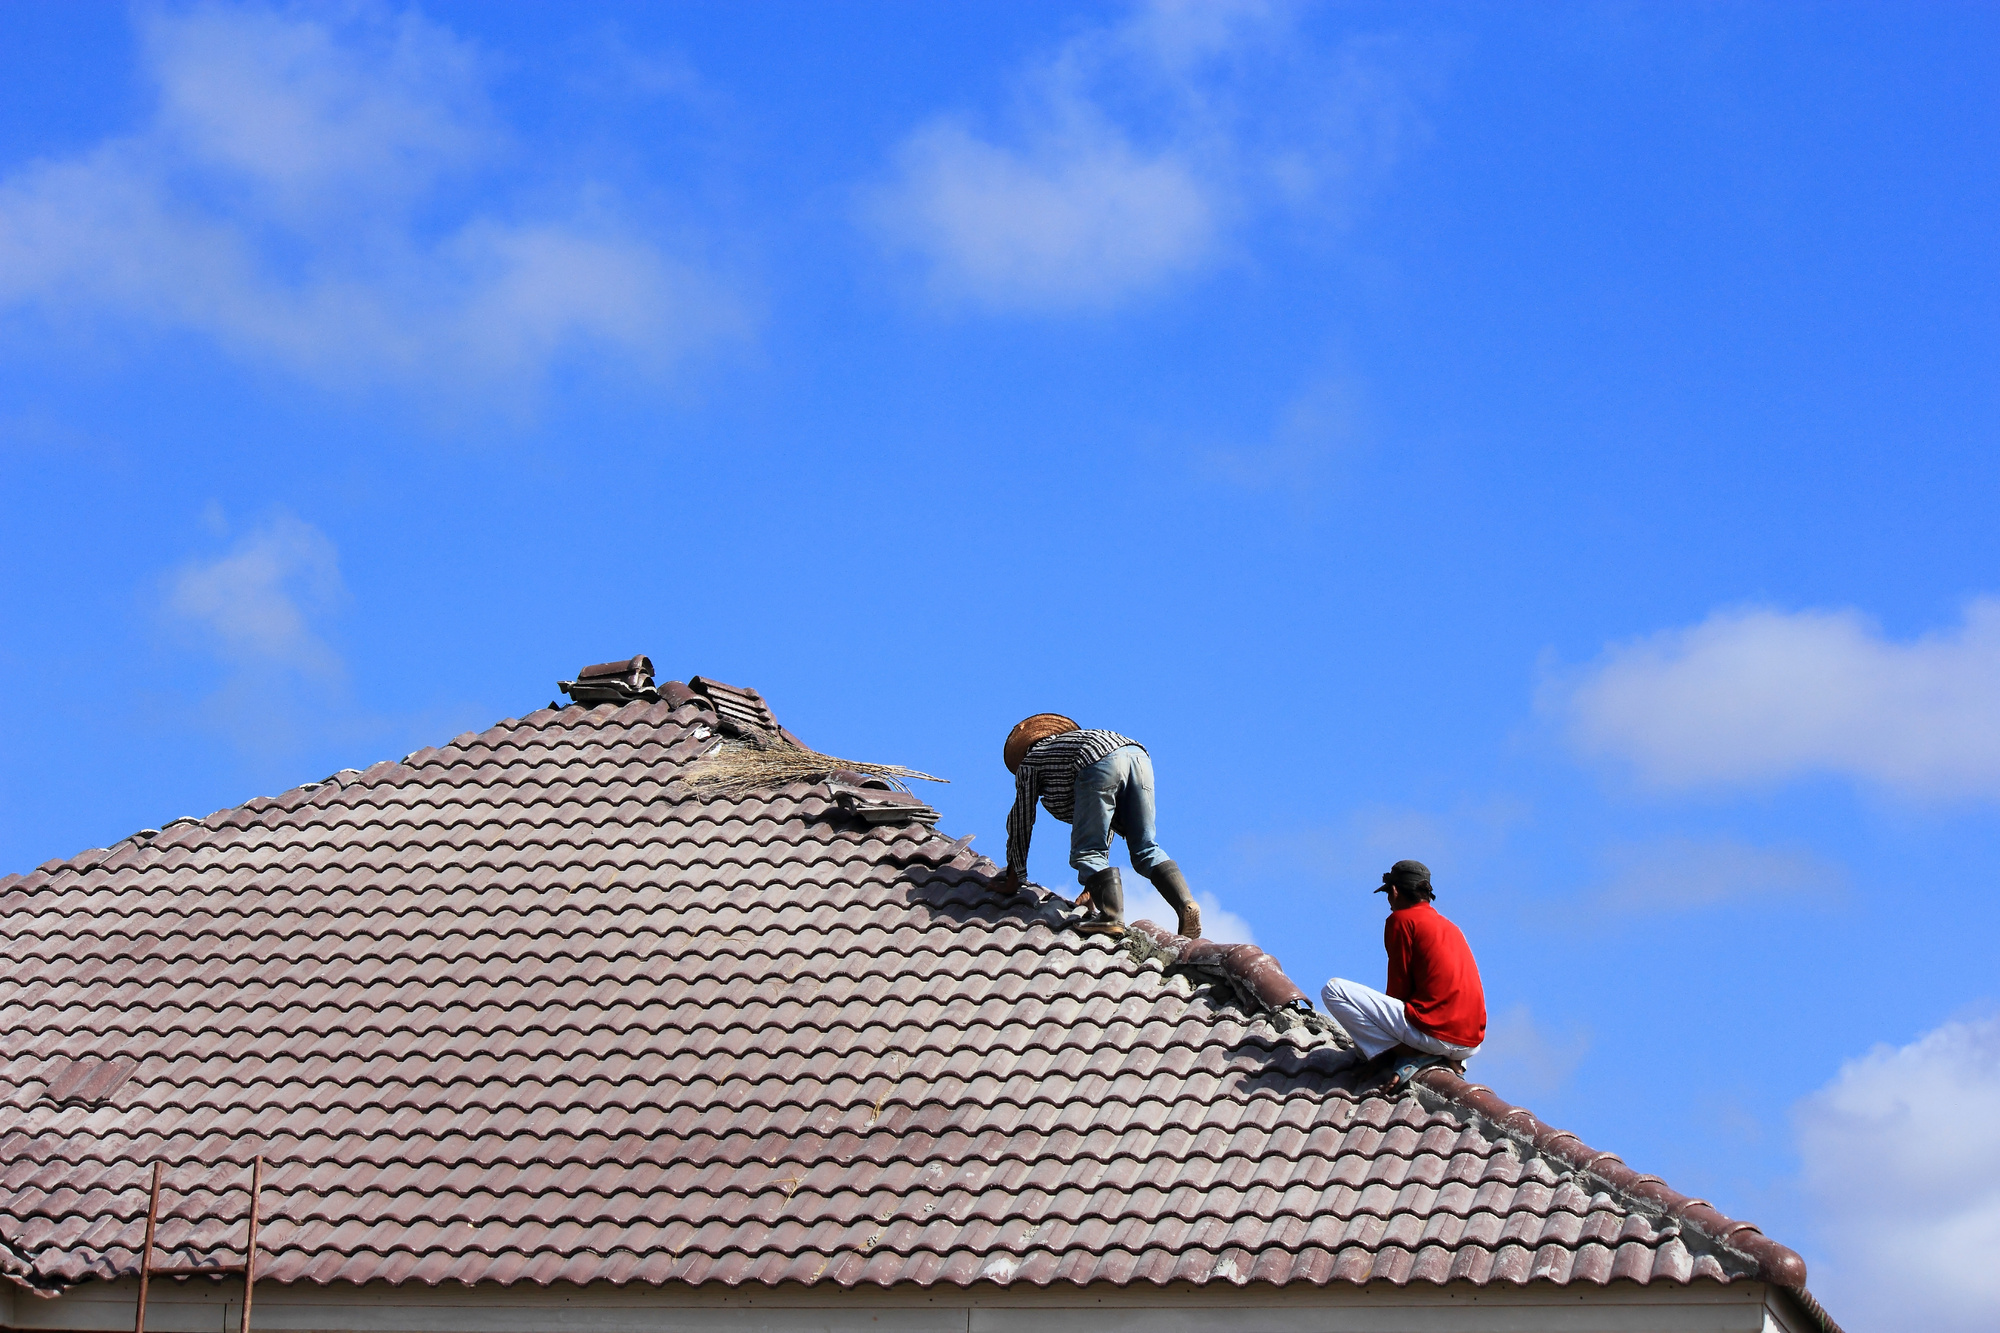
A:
<point x="524" y="1009"/>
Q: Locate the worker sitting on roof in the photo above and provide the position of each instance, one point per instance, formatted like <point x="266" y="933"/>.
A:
<point x="1435" y="1009"/>
<point x="1100" y="783"/>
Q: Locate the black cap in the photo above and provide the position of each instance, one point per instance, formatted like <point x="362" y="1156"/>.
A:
<point x="1405" y="874"/>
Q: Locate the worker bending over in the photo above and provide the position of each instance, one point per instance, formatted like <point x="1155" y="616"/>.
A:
<point x="1099" y="783"/>
<point x="1435" y="1005"/>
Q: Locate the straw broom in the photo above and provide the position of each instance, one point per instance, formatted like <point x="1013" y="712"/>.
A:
<point x="737" y="769"/>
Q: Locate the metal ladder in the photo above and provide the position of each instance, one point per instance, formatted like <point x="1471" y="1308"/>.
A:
<point x="249" y="1269"/>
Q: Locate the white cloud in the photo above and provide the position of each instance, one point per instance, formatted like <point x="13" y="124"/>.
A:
<point x="1759" y="696"/>
<point x="1134" y="149"/>
<point x="316" y="115"/>
<point x="1318" y="425"/>
<point x="254" y="609"/>
<point x="1903" y="1167"/>
<point x="1681" y="873"/>
<point x="1083" y="222"/>
<point x="254" y="604"/>
<point x="1520" y="1061"/>
<point x="302" y="196"/>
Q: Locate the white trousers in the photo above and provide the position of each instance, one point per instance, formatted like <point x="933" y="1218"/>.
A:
<point x="1377" y="1021"/>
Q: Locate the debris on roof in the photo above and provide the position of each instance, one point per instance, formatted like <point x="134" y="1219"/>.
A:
<point x="742" y="712"/>
<point x="884" y="807"/>
<point x="613" y="682"/>
<point x="732" y="770"/>
<point x="758" y="752"/>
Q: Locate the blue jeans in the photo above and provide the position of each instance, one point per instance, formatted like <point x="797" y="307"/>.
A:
<point x="1115" y="795"/>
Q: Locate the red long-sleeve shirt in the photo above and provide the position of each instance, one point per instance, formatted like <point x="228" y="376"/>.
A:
<point x="1431" y="971"/>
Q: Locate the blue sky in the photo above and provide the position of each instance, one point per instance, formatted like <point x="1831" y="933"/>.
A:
<point x="1555" y="444"/>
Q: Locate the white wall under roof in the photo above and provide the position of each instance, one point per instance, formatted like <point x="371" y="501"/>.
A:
<point x="203" y="1306"/>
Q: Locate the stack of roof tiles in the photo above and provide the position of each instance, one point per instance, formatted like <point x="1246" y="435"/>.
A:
<point x="524" y="1008"/>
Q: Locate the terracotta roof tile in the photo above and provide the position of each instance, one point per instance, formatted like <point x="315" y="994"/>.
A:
<point x="521" y="1008"/>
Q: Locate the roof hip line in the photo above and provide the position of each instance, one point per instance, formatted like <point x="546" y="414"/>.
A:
<point x="1774" y="1263"/>
<point x="1273" y="992"/>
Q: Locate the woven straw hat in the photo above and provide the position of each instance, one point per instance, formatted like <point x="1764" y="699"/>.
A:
<point x="1031" y="729"/>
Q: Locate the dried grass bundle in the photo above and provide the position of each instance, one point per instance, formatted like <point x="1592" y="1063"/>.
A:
<point x="737" y="769"/>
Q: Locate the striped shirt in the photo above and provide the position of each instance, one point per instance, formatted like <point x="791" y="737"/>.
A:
<point x="1048" y="772"/>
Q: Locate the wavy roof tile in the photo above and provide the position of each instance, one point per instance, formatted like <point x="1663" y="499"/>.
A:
<point x="524" y="1009"/>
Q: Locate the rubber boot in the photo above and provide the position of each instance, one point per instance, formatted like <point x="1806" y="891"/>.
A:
<point x="1173" y="886"/>
<point x="1107" y="902"/>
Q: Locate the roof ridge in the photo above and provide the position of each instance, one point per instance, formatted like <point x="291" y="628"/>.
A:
<point x="1266" y="987"/>
<point x="1257" y="977"/>
<point x="1772" y="1262"/>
